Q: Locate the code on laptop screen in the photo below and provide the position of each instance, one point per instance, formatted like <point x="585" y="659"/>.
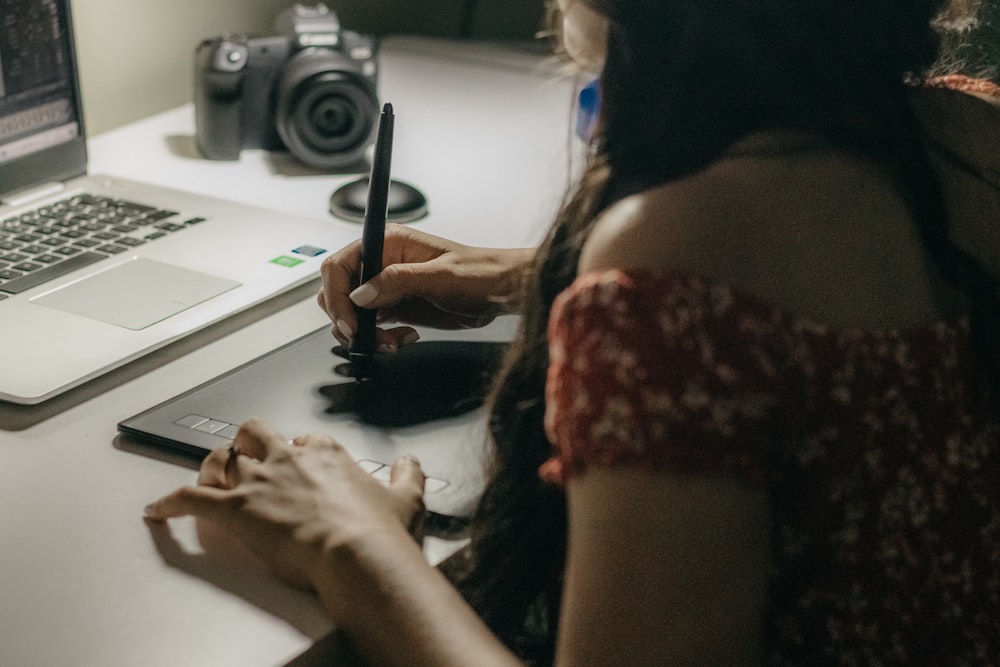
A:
<point x="36" y="86"/>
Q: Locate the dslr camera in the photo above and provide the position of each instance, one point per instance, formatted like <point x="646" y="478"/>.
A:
<point x="310" y="90"/>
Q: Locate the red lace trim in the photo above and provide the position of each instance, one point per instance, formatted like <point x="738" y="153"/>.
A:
<point x="965" y="84"/>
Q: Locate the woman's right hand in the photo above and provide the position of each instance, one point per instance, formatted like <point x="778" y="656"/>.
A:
<point x="425" y="281"/>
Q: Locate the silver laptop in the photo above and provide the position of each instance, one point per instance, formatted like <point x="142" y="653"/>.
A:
<point x="97" y="271"/>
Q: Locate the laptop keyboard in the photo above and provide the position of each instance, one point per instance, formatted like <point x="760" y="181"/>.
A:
<point x="51" y="241"/>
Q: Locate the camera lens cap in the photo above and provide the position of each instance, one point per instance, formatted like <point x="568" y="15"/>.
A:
<point x="406" y="202"/>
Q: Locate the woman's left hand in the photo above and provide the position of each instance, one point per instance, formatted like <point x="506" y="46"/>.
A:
<point x="293" y="503"/>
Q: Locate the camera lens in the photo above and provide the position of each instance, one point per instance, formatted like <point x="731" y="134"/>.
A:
<point x="325" y="113"/>
<point x="333" y="116"/>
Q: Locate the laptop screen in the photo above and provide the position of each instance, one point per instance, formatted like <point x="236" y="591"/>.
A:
<point x="41" y="133"/>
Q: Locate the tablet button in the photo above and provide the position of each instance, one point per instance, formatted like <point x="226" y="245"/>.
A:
<point x="191" y="421"/>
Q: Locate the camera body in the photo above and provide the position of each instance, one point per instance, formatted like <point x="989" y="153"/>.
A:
<point x="310" y="90"/>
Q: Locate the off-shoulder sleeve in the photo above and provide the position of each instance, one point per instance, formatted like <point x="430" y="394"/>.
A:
<point x="657" y="371"/>
<point x="965" y="84"/>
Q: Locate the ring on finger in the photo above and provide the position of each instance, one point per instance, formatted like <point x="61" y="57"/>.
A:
<point x="231" y="470"/>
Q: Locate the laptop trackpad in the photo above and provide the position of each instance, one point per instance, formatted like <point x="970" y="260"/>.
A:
<point x="136" y="294"/>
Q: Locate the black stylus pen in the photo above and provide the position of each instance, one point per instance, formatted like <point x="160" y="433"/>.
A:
<point x="363" y="344"/>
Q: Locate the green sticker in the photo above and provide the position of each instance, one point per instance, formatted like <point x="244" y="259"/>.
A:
<point x="285" y="260"/>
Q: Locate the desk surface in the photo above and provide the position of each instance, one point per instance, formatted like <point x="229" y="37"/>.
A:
<point x="83" y="579"/>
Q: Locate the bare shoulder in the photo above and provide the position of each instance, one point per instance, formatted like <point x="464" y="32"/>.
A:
<point x="809" y="230"/>
<point x="653" y="229"/>
<point x="736" y="213"/>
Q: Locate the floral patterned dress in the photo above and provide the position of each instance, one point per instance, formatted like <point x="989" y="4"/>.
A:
<point x="880" y="453"/>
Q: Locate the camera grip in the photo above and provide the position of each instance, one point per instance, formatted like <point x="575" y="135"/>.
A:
<point x="218" y="96"/>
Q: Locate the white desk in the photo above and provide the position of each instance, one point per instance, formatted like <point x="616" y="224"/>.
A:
<point x="83" y="579"/>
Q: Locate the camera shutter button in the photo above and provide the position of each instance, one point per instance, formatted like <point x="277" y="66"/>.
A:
<point x="229" y="57"/>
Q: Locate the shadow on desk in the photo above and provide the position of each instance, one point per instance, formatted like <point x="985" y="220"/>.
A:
<point x="222" y="561"/>
<point x="15" y="417"/>
<point x="250" y="581"/>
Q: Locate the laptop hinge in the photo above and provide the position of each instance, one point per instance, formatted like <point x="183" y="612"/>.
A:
<point x="28" y="195"/>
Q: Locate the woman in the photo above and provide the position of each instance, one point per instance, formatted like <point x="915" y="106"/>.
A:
<point x="752" y="413"/>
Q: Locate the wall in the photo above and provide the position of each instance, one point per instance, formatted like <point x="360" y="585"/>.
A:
<point x="136" y="56"/>
<point x="485" y="19"/>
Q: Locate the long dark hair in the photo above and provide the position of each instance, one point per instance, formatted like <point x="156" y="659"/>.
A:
<point x="683" y="80"/>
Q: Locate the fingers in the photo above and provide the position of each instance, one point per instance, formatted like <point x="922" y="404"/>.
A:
<point x="213" y="469"/>
<point x="231" y="469"/>
<point x="381" y="292"/>
<point x="255" y="440"/>
<point x="339" y="272"/>
<point x="258" y="439"/>
<point x="403" y="247"/>
<point x="401" y="281"/>
<point x="406" y="483"/>
<point x="201" y="501"/>
<point x="340" y="296"/>
<point x="390" y="340"/>
<point x="406" y="478"/>
<point x="315" y="440"/>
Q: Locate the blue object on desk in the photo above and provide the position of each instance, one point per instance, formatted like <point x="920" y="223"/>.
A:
<point x="588" y="108"/>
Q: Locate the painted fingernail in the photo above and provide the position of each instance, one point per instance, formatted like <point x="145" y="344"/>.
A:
<point x="344" y="328"/>
<point x="363" y="295"/>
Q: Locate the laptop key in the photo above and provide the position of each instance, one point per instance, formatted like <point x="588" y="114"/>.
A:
<point x="22" y="283"/>
<point x="111" y="249"/>
<point x="156" y="216"/>
<point x="132" y="206"/>
<point x="26" y="267"/>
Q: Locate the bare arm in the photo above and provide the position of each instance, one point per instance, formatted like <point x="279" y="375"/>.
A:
<point x="398" y="610"/>
<point x="663" y="569"/>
